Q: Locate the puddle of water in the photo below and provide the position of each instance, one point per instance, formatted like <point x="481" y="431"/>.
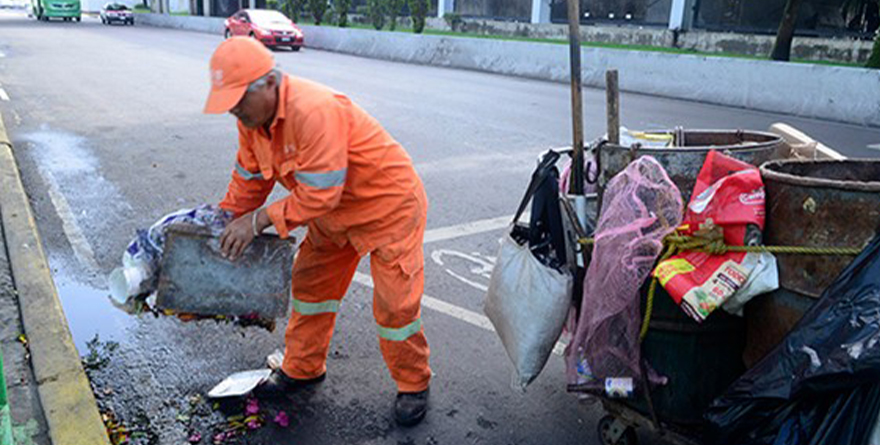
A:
<point x="90" y="312"/>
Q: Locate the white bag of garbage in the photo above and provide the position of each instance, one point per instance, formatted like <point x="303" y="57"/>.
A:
<point x="529" y="295"/>
<point x="527" y="303"/>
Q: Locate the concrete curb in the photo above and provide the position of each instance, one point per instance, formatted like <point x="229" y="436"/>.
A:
<point x="832" y="93"/>
<point x="68" y="403"/>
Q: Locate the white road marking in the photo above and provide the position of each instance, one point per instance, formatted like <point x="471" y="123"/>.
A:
<point x="479" y="266"/>
<point x="470" y="228"/>
<point x="470" y="317"/>
<point x="2" y="55"/>
<point x="3" y="95"/>
<point x="81" y="247"/>
<point x="465" y="315"/>
<point x="874" y="146"/>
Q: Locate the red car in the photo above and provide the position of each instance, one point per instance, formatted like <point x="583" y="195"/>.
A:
<point x="271" y="27"/>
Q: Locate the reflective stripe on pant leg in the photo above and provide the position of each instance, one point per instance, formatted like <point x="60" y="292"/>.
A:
<point x="397" y="308"/>
<point x="400" y="334"/>
<point x="320" y="280"/>
<point x="324" y="307"/>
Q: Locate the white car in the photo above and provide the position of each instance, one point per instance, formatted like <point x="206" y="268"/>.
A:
<point x="118" y="13"/>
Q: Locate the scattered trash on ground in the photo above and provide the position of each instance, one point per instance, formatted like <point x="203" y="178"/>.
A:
<point x="139" y="432"/>
<point x="275" y="359"/>
<point x="26" y="345"/>
<point x="99" y="354"/>
<point x="239" y="384"/>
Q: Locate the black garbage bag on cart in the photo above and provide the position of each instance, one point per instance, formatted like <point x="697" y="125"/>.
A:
<point x="821" y="385"/>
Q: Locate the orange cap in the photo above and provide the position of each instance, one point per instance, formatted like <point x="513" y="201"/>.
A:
<point x="236" y="63"/>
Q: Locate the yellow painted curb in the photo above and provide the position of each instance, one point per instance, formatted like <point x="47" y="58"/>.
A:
<point x="65" y="394"/>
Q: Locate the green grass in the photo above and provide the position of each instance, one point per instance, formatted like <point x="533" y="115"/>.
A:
<point x="648" y="48"/>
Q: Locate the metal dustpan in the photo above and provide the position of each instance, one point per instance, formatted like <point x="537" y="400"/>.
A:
<point x="196" y="279"/>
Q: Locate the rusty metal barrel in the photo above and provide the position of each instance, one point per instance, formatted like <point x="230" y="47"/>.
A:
<point x="810" y="203"/>
<point x="823" y="203"/>
<point x="684" y="160"/>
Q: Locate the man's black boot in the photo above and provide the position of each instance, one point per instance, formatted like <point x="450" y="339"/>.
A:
<point x="278" y="385"/>
<point x="410" y="407"/>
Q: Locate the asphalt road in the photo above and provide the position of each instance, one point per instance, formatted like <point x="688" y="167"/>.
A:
<point x="109" y="134"/>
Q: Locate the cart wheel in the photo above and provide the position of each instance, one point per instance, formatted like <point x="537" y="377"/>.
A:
<point x="614" y="432"/>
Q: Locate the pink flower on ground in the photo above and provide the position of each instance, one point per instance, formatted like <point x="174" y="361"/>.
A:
<point x="282" y="420"/>
<point x="253" y="424"/>
<point x="220" y="437"/>
<point x="195" y="438"/>
<point x="252" y="407"/>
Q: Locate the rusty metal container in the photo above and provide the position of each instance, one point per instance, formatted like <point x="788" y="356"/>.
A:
<point x="196" y="279"/>
<point x="813" y="203"/>
<point x="683" y="162"/>
<point x="824" y="203"/>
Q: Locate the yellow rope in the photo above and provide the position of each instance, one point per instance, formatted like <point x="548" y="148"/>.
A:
<point x="676" y="243"/>
<point x="717" y="247"/>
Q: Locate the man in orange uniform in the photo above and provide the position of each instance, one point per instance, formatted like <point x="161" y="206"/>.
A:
<point x="355" y="189"/>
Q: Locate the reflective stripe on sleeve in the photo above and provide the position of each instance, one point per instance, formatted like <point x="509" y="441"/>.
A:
<point x="322" y="180"/>
<point x="401" y="334"/>
<point x="246" y="174"/>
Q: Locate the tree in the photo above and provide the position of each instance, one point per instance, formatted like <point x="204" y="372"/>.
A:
<point x="782" y="47"/>
<point x="293" y="9"/>
<point x="318" y="8"/>
<point x="394" y="9"/>
<point x="874" y="60"/>
<point x="860" y="15"/>
<point x="418" y="9"/>
<point x="342" y="7"/>
<point x="376" y="11"/>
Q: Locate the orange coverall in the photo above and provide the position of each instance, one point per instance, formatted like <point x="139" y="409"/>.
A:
<point x="356" y="189"/>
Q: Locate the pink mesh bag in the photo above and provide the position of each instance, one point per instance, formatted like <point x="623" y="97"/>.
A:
<point x="641" y="205"/>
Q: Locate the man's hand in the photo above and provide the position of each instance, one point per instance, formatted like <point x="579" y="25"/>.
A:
<point x="240" y="233"/>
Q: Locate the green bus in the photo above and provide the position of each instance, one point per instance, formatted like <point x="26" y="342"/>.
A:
<point x="66" y="10"/>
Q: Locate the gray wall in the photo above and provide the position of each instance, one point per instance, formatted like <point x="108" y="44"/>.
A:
<point x="824" y="92"/>
<point x="807" y="48"/>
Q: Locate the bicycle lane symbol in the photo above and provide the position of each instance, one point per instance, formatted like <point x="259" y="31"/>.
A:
<point x="473" y="269"/>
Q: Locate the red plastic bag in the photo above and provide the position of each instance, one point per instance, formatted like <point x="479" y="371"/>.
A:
<point x="728" y="202"/>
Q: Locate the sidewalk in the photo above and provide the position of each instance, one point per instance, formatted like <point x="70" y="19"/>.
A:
<point x="28" y="422"/>
<point x="50" y="398"/>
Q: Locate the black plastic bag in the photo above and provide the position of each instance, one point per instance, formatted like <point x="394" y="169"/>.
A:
<point x="821" y="385"/>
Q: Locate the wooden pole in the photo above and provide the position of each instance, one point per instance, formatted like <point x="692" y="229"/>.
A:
<point x="577" y="112"/>
<point x="612" y="94"/>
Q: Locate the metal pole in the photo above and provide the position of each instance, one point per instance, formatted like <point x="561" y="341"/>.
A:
<point x="612" y="95"/>
<point x="5" y="418"/>
<point x="577" y="112"/>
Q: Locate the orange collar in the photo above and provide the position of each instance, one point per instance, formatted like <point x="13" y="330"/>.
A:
<point x="265" y="157"/>
<point x="281" y="106"/>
